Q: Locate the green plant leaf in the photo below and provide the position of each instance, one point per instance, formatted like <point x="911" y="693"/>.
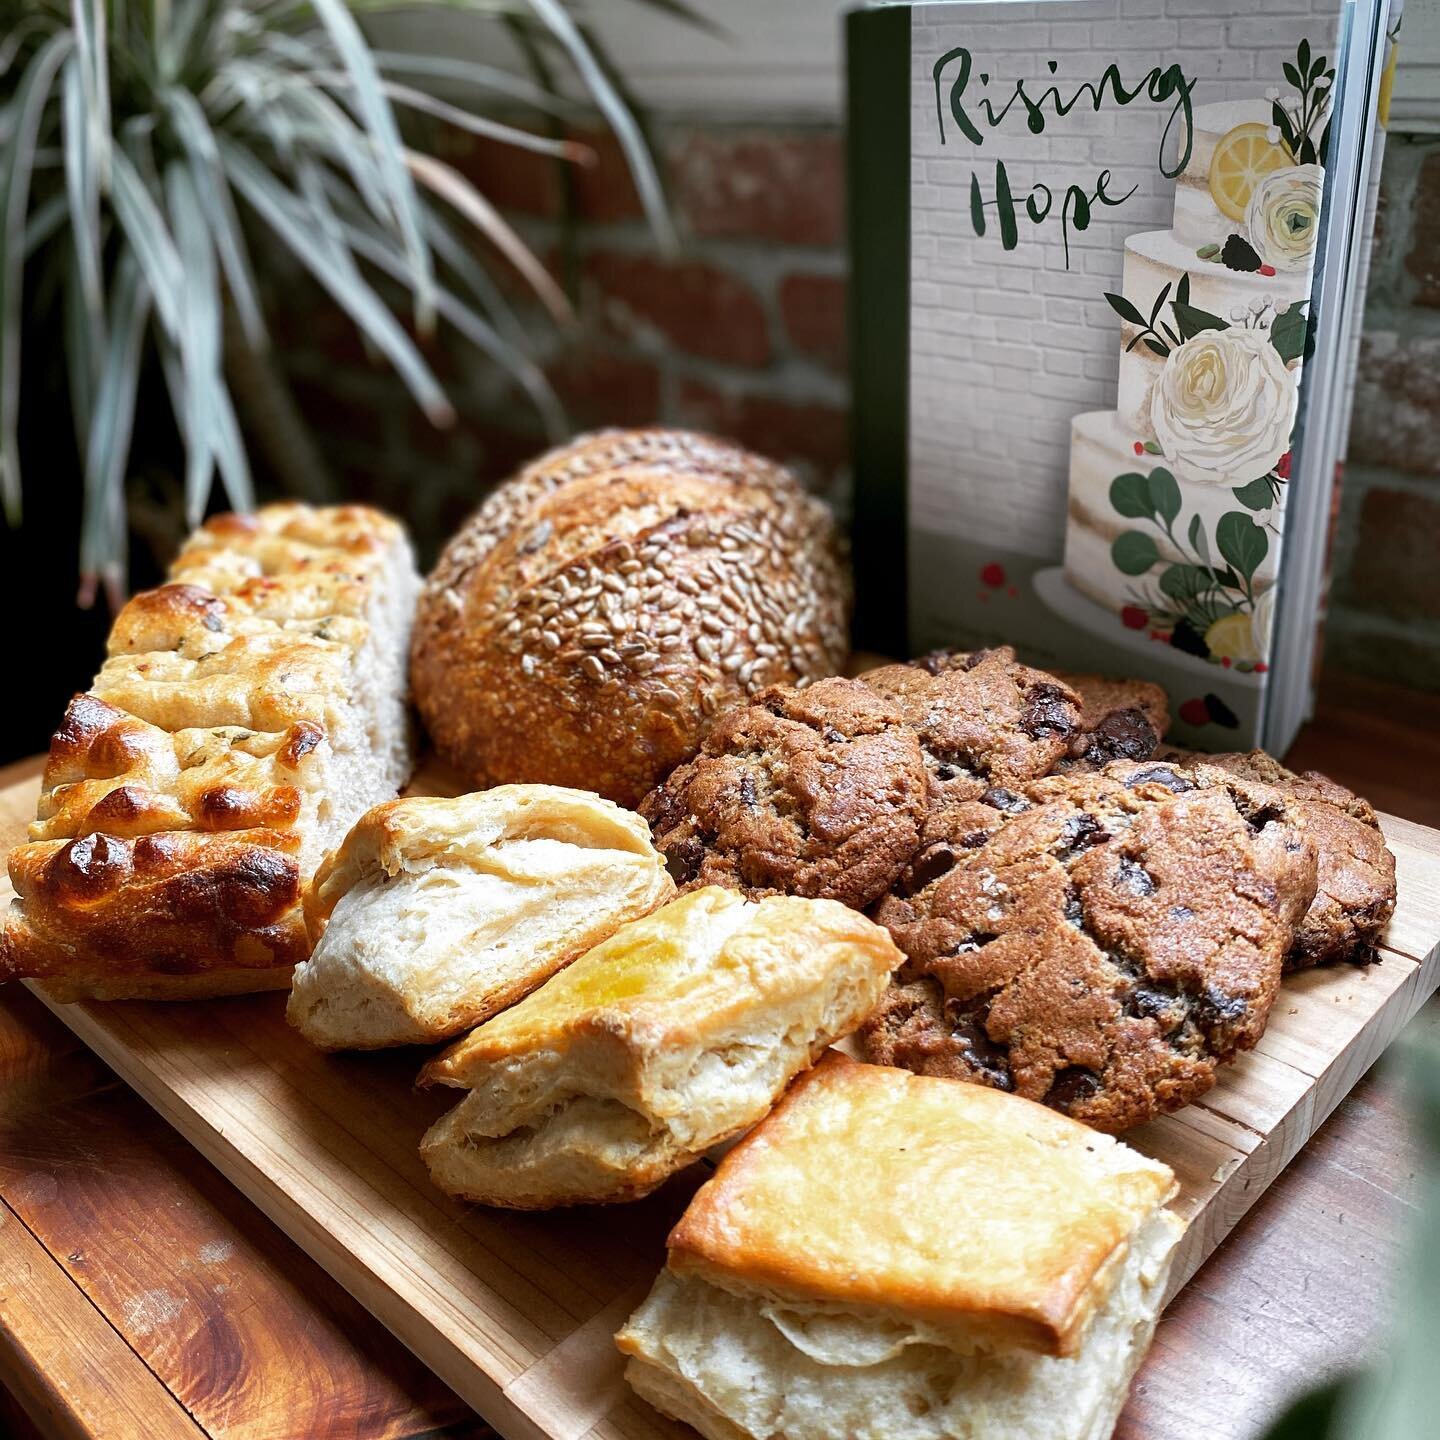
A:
<point x="1159" y="301"/>
<point x="612" y="105"/>
<point x="1133" y="552"/>
<point x="148" y="237"/>
<point x="1182" y="290"/>
<point x="1157" y="347"/>
<point x="1130" y="497"/>
<point x="1242" y="542"/>
<point x="1164" y="494"/>
<point x="294" y="226"/>
<point x="1257" y="495"/>
<point x="1124" y="309"/>
<point x="82" y="189"/>
<point x="1292" y="74"/>
<point x="1192" y="320"/>
<point x="25" y="111"/>
<point x="102" y="526"/>
<point x="1302" y="55"/>
<point x="374" y="109"/>
<point x="1198" y="543"/>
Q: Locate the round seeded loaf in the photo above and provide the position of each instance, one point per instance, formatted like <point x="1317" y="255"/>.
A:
<point x="604" y="604"/>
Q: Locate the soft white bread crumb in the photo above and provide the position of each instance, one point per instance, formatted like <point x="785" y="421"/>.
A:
<point x="680" y="1030"/>
<point x="437" y="913"/>
<point x="756" y="1368"/>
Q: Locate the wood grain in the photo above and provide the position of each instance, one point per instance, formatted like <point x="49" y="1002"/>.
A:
<point x="516" y="1312"/>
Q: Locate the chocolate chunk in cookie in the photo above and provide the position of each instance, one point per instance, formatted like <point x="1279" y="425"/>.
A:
<point x="1356" y="893"/>
<point x="1119" y="720"/>
<point x="1101" y="951"/>
<point x="984" y="719"/>
<point x="817" y="792"/>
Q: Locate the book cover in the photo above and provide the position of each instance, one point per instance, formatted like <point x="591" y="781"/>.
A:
<point x="1093" y="376"/>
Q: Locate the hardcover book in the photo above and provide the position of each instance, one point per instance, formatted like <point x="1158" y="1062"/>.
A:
<point x="1108" y="270"/>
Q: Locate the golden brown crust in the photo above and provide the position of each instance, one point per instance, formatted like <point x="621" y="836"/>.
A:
<point x="904" y="1197"/>
<point x="179" y="805"/>
<point x="608" y="601"/>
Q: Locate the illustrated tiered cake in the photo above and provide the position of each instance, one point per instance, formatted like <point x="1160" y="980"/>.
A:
<point x="1175" y="496"/>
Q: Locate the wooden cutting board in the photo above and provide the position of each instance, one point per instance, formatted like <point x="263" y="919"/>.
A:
<point x="515" y="1311"/>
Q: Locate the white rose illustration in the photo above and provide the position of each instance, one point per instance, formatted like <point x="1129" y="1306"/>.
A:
<point x="1283" y="217"/>
<point x="1223" y="407"/>
<point x="1261" y="621"/>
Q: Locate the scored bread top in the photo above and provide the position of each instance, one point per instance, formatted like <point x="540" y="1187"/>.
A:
<point x="688" y="973"/>
<point x="894" y="1196"/>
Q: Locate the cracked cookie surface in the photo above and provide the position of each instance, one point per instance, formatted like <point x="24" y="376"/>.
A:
<point x="1101" y="945"/>
<point x="819" y="792"/>
<point x="984" y="720"/>
<point x="1355" y="894"/>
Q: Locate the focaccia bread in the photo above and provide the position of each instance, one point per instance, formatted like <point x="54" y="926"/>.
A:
<point x="679" y="1031"/>
<point x="895" y="1255"/>
<point x="247" y="712"/>
<point x="436" y="914"/>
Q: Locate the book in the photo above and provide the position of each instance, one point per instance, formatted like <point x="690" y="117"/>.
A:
<point x="1108" y="262"/>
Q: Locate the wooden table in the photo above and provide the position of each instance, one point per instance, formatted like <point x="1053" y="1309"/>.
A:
<point x="142" y="1296"/>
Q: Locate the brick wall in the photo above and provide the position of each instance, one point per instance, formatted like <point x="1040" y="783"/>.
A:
<point x="744" y="332"/>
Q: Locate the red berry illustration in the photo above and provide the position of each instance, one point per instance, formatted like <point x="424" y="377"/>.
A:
<point x="1195" y="712"/>
<point x="1282" y="466"/>
<point x="1267" y="269"/>
<point x="993" y="575"/>
<point x="1261" y="667"/>
<point x="1139" y="447"/>
<point x="1134" y="618"/>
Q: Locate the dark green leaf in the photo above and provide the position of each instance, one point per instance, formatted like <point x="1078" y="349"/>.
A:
<point x="1170" y="331"/>
<point x="1192" y="321"/>
<point x="1318" y="68"/>
<point x="1184" y="582"/>
<point x="1198" y="543"/>
<point x="1158" y="346"/>
<point x="1159" y="301"/>
<point x="1182" y="290"/>
<point x="1130" y="496"/>
<point x="1287" y="334"/>
<point x="1302" y="55"/>
<point x="1242" y="542"/>
<point x="1164" y="494"/>
<point x="1292" y="74"/>
<point x="1281" y="121"/>
<point x="1124" y="309"/>
<point x="1257" y="495"/>
<point x="1226" y="579"/>
<point x="1133" y="553"/>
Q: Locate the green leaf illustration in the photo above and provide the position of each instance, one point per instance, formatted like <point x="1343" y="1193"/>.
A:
<point x="1133" y="552"/>
<point x="1130" y="496"/>
<point x="1198" y="543"/>
<point x="1257" y="495"/>
<point x="1302" y="55"/>
<point x="1192" y="320"/>
<point x="1292" y="74"/>
<point x="1164" y="494"/>
<point x="1287" y="334"/>
<point x="1159" y="301"/>
<point x="1182" y="290"/>
<point x="1205" y="252"/>
<point x="1158" y="347"/>
<point x="1124" y="309"/>
<point x="1152" y="447"/>
<point x="1182" y="583"/>
<point x="1241" y="541"/>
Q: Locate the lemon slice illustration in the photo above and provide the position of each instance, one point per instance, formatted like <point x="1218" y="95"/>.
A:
<point x="1232" y="636"/>
<point x="1241" y="157"/>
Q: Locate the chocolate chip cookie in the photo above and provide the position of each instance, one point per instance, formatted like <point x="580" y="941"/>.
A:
<point x="1355" y="896"/>
<point x="1118" y="720"/>
<point x="818" y="792"/>
<point x="985" y="721"/>
<point x="1101" y="945"/>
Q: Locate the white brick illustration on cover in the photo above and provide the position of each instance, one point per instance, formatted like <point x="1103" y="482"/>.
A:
<point x="1176" y="496"/>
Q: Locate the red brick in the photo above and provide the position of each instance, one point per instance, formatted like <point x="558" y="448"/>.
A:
<point x="1393" y="571"/>
<point x="813" y="308"/>
<point x="1423" y="261"/>
<point x="599" y="387"/>
<point x="810" y="435"/>
<point x="1397" y="403"/>
<point x="762" y="185"/>
<point x="695" y="306"/>
<point x="528" y="183"/>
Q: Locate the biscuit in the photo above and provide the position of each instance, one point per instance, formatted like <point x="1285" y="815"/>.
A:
<point x="1101" y="945"/>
